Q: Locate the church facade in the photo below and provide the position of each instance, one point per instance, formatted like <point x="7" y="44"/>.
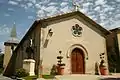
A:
<point x="80" y="40"/>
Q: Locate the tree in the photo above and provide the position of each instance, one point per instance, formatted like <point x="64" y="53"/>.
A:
<point x="1" y="61"/>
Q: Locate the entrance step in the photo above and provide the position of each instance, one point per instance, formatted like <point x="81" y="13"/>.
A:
<point x="86" y="77"/>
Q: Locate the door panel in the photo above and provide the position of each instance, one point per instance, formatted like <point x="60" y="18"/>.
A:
<point x="73" y="62"/>
<point x="77" y="61"/>
<point x="80" y="63"/>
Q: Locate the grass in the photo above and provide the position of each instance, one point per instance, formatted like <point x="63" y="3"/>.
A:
<point x="34" y="77"/>
<point x="29" y="77"/>
<point x="48" y="76"/>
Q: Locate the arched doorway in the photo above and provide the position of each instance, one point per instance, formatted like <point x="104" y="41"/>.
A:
<point x="77" y="61"/>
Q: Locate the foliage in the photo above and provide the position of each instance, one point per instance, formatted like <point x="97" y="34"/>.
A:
<point x="60" y="60"/>
<point x="96" y="69"/>
<point x="35" y="77"/>
<point x="1" y="70"/>
<point x="1" y="62"/>
<point x="112" y="61"/>
<point x="30" y="77"/>
<point x="115" y="57"/>
<point x="21" y="72"/>
<point x="53" y="70"/>
<point x="48" y="76"/>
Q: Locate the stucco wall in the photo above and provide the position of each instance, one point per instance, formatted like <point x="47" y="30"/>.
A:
<point x="7" y="56"/>
<point x="118" y="36"/>
<point x="62" y="40"/>
<point x="8" y="53"/>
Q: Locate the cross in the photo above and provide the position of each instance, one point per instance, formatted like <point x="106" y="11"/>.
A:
<point x="76" y="7"/>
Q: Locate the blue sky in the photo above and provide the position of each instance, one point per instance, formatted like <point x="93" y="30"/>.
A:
<point x="25" y="12"/>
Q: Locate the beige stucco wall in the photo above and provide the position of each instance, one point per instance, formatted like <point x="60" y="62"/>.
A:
<point x="118" y="36"/>
<point x="62" y="40"/>
<point x="7" y="56"/>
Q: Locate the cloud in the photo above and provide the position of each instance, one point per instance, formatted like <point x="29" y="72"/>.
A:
<point x="107" y="8"/>
<point x="52" y="3"/>
<point x="13" y="2"/>
<point x="117" y="16"/>
<point x="45" y="1"/>
<point x="30" y="17"/>
<point x="4" y="29"/>
<point x="102" y="11"/>
<point x="38" y="6"/>
<point x="19" y="0"/>
<point x="83" y="10"/>
<point x="1" y="1"/>
<point x="2" y="47"/>
<point x="6" y="14"/>
<point x="10" y="9"/>
<point x="40" y="14"/>
<point x="118" y="0"/>
<point x="29" y="4"/>
<point x="100" y="2"/>
<point x="64" y="4"/>
<point x="4" y="34"/>
<point x="51" y="9"/>
<point x="87" y="4"/>
<point x="65" y="9"/>
<point x="24" y="6"/>
<point x="33" y="1"/>
<point x="44" y="8"/>
<point x="97" y="8"/>
<point x="102" y="17"/>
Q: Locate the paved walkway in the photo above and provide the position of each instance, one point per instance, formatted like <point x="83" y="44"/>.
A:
<point x="77" y="77"/>
<point x="4" y="78"/>
<point x="87" y="77"/>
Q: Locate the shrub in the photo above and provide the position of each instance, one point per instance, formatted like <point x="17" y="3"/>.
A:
<point x="1" y="70"/>
<point x="21" y="72"/>
<point x="53" y="70"/>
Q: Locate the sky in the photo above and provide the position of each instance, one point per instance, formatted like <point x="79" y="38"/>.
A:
<point x="25" y="12"/>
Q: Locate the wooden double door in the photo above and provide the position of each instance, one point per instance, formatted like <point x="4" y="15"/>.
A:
<point x="77" y="61"/>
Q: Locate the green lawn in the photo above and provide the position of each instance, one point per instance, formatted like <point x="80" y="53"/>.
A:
<point x="29" y="77"/>
<point x="34" y="77"/>
<point x="48" y="76"/>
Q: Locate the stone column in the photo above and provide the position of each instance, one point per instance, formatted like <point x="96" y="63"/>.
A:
<point x="29" y="66"/>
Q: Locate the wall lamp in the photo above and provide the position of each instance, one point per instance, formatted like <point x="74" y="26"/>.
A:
<point x="50" y="33"/>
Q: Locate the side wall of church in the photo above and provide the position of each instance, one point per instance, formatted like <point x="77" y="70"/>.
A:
<point x="21" y="51"/>
<point x="62" y="39"/>
<point x="118" y="37"/>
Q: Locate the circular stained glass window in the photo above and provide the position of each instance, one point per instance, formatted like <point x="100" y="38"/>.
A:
<point x="76" y="30"/>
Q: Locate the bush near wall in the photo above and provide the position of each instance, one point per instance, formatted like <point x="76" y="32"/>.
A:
<point x="21" y="72"/>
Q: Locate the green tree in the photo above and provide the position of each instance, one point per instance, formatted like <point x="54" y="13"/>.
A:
<point x="1" y="60"/>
